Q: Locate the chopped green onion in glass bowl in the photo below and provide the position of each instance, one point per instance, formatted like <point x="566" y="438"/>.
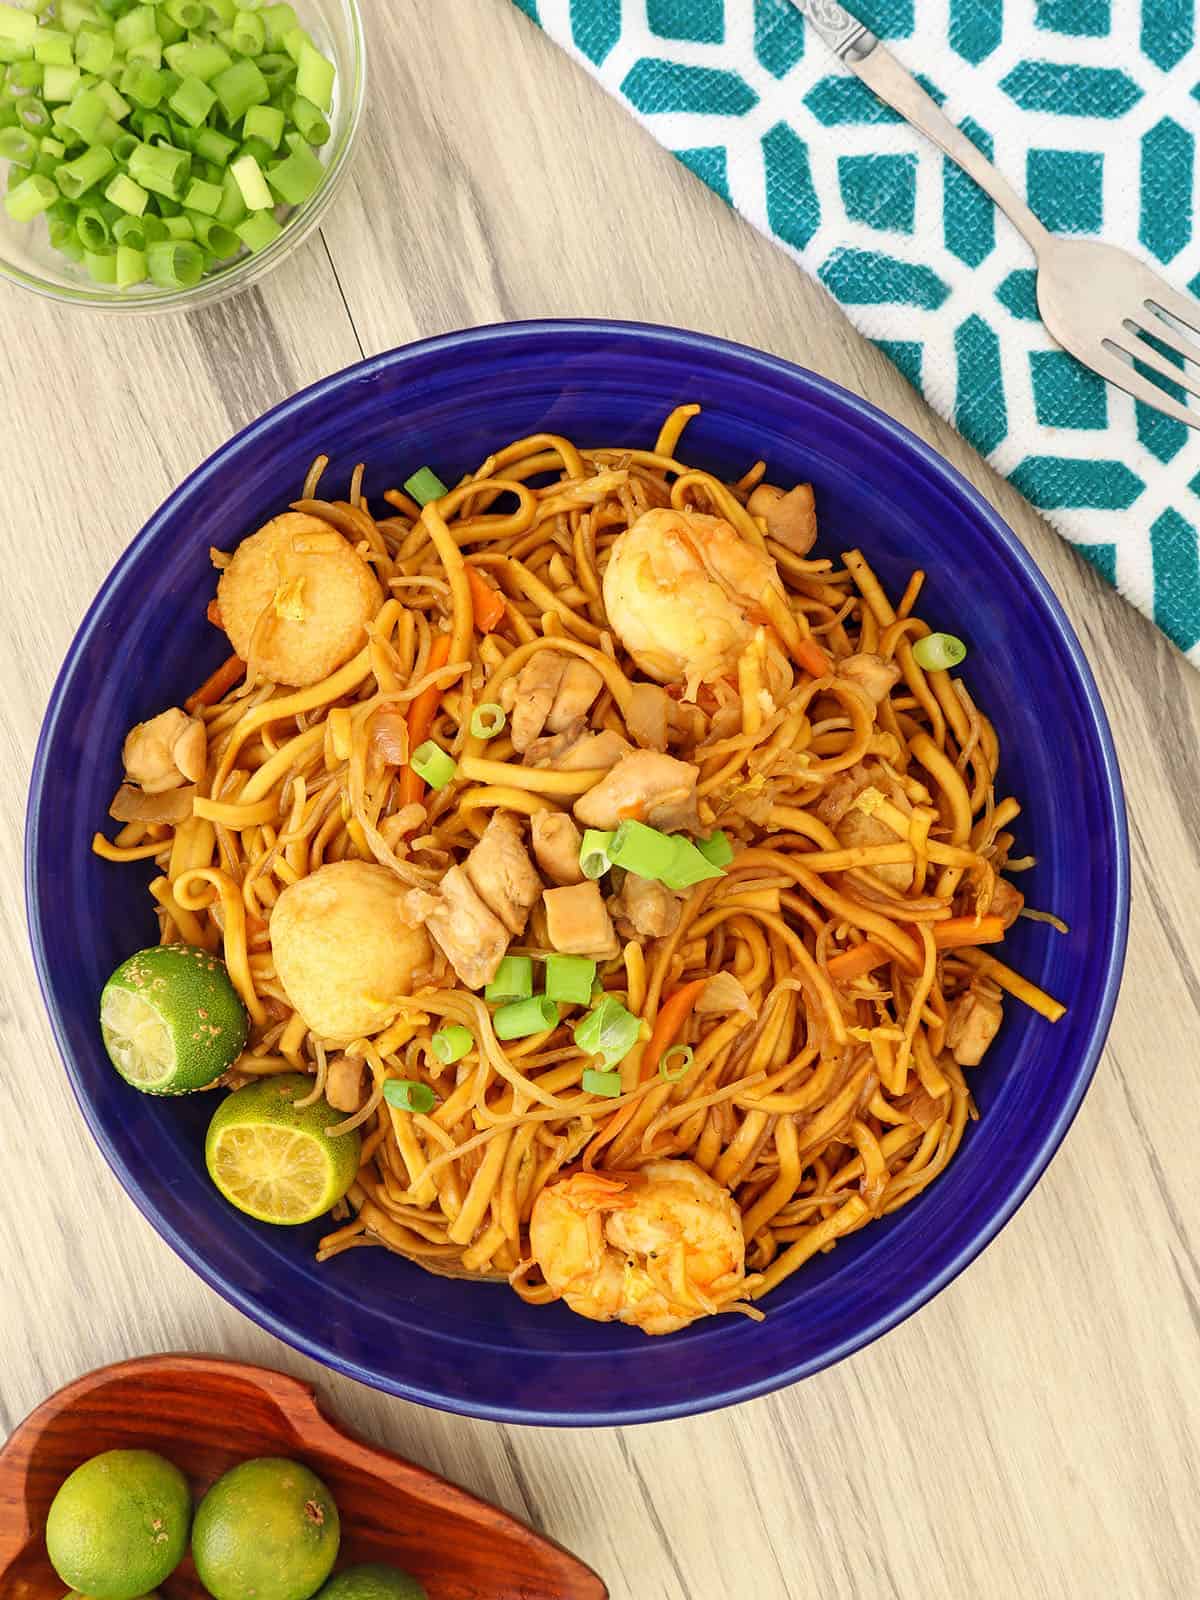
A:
<point x="161" y="155"/>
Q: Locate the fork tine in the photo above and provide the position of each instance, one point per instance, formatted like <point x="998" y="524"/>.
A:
<point x="1158" y="328"/>
<point x="1150" y="357"/>
<point x="1109" y="365"/>
<point x="1180" y="306"/>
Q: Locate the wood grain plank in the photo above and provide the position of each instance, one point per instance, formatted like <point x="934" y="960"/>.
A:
<point x="1026" y="1434"/>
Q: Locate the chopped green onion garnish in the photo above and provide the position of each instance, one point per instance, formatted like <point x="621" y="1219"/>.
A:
<point x="406" y="1095"/>
<point x="687" y="866"/>
<point x="175" y="263"/>
<point x="425" y="486"/>
<point x="595" y="856"/>
<point x="161" y="168"/>
<point x="17" y="146"/>
<point x="716" y="848"/>
<point x="938" y="652"/>
<point x="452" y="1044"/>
<point x="203" y="197"/>
<point x="610" y="1031"/>
<point x="524" y="1018"/>
<point x="666" y="1067"/>
<point x="641" y="849"/>
<point x="310" y="121"/>
<point x="248" y="175"/>
<point x="53" y="47"/>
<point x="297" y="177"/>
<point x="605" y="1084"/>
<point x="60" y="84"/>
<point x="248" y="33"/>
<point x="431" y="763"/>
<point x="131" y="266"/>
<point x="259" y="229"/>
<point x="129" y="196"/>
<point x="192" y="101"/>
<point x="513" y="980"/>
<point x="266" y="123"/>
<point x="314" y="77"/>
<point x="239" y="87"/>
<point x="101" y="264"/>
<point x="569" y="979"/>
<point x="488" y="720"/>
<point x="279" y="20"/>
<point x="29" y="198"/>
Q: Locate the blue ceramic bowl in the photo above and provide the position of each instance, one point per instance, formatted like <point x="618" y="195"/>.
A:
<point x="145" y="644"/>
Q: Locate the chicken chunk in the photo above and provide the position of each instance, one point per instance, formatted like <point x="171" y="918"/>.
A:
<point x="647" y="906"/>
<point x="858" y="829"/>
<point x="1007" y="902"/>
<point x="578" y="923"/>
<point x="556" y="843"/>
<point x="344" y="1083"/>
<point x="874" y="677"/>
<point x="502" y="874"/>
<point x="648" y="716"/>
<point x="470" y="936"/>
<point x="534" y="693"/>
<point x="576" y="749"/>
<point x="169" y="750"/>
<point x="656" y="789"/>
<point x="577" y="691"/>
<point x="974" y="1021"/>
<point x="791" y="516"/>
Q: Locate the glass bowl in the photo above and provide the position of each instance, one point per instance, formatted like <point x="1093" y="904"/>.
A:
<point x="27" y="258"/>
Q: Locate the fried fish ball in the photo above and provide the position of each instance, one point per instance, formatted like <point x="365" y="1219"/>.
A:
<point x="296" y="598"/>
<point x="344" y="951"/>
<point x="684" y="594"/>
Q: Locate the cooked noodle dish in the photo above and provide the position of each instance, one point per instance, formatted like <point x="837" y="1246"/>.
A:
<point x="574" y="878"/>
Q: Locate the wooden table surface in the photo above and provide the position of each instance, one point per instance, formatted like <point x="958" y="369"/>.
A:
<point x="1036" y="1429"/>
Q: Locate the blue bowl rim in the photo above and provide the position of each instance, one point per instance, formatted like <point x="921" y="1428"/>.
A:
<point x="700" y="345"/>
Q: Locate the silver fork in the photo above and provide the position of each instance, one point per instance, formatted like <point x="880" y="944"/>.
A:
<point x="1100" y="303"/>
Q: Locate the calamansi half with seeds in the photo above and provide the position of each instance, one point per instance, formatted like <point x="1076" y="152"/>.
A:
<point x="172" y="1020"/>
<point x="274" y="1159"/>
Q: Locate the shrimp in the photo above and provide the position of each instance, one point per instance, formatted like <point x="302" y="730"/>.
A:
<point x="656" y="1249"/>
<point x="684" y="594"/>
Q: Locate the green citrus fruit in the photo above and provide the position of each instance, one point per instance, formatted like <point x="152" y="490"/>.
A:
<point x="376" y="1582"/>
<point x="171" y="1019"/>
<point x="274" y="1161"/>
<point x="119" y="1524"/>
<point x="267" y="1530"/>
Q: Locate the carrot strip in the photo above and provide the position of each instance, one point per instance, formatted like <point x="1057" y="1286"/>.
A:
<point x="420" y="719"/>
<point x="958" y="931"/>
<point x="857" y="962"/>
<point x="486" y="601"/>
<point x="212" y="689"/>
<point x="672" y="1015"/>
<point x="811" y="657"/>
<point x="953" y="934"/>
<point x="214" y="614"/>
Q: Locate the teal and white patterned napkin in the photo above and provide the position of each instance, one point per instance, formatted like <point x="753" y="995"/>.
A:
<point x="1091" y="105"/>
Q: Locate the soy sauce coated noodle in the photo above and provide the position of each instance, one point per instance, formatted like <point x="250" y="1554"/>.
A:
<point x="824" y="1086"/>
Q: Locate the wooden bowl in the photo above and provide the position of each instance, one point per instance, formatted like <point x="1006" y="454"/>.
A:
<point x="207" y="1414"/>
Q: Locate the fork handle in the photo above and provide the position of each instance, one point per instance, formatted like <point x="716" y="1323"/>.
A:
<point x="897" y="87"/>
<point x="845" y="35"/>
